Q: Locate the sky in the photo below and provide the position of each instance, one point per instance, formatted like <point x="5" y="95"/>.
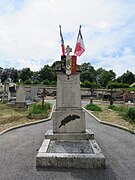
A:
<point x="29" y="32"/>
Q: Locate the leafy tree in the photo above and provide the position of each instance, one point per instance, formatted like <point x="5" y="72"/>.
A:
<point x="88" y="73"/>
<point x="127" y="77"/>
<point x="47" y="73"/>
<point x="26" y="74"/>
<point x="14" y="75"/>
<point x="4" y="77"/>
<point x="105" y="76"/>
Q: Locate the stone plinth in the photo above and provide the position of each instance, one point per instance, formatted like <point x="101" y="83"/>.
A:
<point x="75" y="153"/>
<point x="88" y="134"/>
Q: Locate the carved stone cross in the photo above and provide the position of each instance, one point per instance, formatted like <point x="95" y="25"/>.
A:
<point x="68" y="50"/>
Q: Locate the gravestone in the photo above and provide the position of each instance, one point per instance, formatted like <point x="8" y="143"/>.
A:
<point x="5" y="91"/>
<point x="20" y="97"/>
<point x="34" y="90"/>
<point x="69" y="144"/>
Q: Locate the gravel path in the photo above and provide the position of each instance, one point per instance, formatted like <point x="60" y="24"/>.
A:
<point x="18" y="149"/>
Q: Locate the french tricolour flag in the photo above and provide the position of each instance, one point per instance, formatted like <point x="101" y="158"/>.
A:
<point x="62" y="42"/>
<point x="80" y="48"/>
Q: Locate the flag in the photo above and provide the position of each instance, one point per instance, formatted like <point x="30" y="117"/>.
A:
<point x="80" y="48"/>
<point x="62" y="42"/>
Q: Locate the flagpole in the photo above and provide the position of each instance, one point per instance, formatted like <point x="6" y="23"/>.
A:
<point x="62" y="42"/>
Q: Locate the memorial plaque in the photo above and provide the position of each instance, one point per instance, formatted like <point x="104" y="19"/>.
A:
<point x="68" y="91"/>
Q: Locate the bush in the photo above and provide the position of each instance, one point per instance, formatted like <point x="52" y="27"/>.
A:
<point x="39" y="109"/>
<point x="86" y="84"/>
<point x="46" y="82"/>
<point x="36" y="82"/>
<point x="118" y="108"/>
<point x="115" y="85"/>
<point x="131" y="113"/>
<point x="53" y="82"/>
<point x="27" y="82"/>
<point x="113" y="107"/>
<point x="93" y="107"/>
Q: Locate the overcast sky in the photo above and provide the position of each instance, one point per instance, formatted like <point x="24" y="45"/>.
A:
<point x="29" y="32"/>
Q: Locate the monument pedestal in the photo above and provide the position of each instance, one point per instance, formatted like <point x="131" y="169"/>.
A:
<point x="69" y="144"/>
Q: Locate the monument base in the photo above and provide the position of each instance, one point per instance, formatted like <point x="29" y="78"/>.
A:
<point x="21" y="105"/>
<point x="77" y="150"/>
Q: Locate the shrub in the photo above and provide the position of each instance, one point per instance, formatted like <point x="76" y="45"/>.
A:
<point x="53" y="82"/>
<point x="118" y="108"/>
<point x="86" y="84"/>
<point x="36" y="82"/>
<point x="93" y="107"/>
<point x="46" y="82"/>
<point x="39" y="109"/>
<point x="113" y="107"/>
<point x="131" y="113"/>
<point x="114" y="85"/>
<point x="27" y="82"/>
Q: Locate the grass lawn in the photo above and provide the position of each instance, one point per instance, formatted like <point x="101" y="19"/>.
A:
<point x="10" y="117"/>
<point x="114" y="117"/>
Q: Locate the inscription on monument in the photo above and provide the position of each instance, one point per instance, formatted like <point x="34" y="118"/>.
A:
<point x="68" y="93"/>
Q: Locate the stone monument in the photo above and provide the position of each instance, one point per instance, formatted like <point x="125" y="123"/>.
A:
<point x="20" y="97"/>
<point x="69" y="144"/>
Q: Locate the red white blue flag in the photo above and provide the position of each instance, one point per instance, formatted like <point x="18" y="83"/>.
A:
<point x="80" y="48"/>
<point x="62" y="42"/>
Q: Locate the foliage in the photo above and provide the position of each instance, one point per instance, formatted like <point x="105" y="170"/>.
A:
<point x="131" y="113"/>
<point x="104" y="76"/>
<point x="113" y="107"/>
<point x="46" y="82"/>
<point x="88" y="73"/>
<point x="101" y="77"/>
<point x="47" y="73"/>
<point x="27" y="82"/>
<point x="112" y="85"/>
<point x="14" y="75"/>
<point x="131" y="89"/>
<point x="26" y="74"/>
<point x="36" y="82"/>
<point x="39" y="109"/>
<point x="126" y="113"/>
<point x="93" y="107"/>
<point x="87" y="84"/>
<point x="127" y="77"/>
<point x="53" y="82"/>
<point x="121" y="108"/>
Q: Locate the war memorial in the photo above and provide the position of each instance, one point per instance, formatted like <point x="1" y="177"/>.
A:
<point x="69" y="143"/>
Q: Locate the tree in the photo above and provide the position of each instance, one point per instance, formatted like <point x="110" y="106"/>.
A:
<point x="88" y="73"/>
<point x="105" y="76"/>
<point x="127" y="77"/>
<point x="4" y="77"/>
<point x="14" y="75"/>
<point x="47" y="73"/>
<point x="26" y="74"/>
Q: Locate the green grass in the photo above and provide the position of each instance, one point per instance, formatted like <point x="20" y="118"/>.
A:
<point x="39" y="109"/>
<point x="126" y="113"/>
<point x="117" y="115"/>
<point x="93" y="107"/>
